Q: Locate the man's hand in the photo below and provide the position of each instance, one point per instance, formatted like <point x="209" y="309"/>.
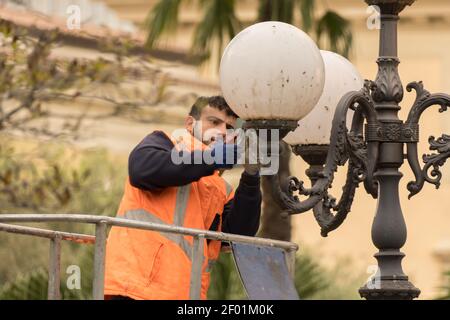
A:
<point x="251" y="169"/>
<point x="251" y="164"/>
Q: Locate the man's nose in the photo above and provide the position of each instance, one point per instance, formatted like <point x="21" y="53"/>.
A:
<point x="222" y="131"/>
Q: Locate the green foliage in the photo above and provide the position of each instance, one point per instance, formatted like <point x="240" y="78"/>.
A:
<point x="28" y="286"/>
<point x="317" y="282"/>
<point x="34" y="285"/>
<point x="48" y="177"/>
<point x="163" y="19"/>
<point x="307" y="12"/>
<point x="26" y="183"/>
<point x="446" y="287"/>
<point x="91" y="182"/>
<point x="275" y="10"/>
<point x="225" y="281"/>
<point x="219" y="24"/>
<point x="337" y="31"/>
<point x="310" y="277"/>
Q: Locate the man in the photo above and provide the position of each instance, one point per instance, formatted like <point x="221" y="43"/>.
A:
<point x="151" y="265"/>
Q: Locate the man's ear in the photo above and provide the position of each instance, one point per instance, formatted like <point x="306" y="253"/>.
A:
<point x="189" y="123"/>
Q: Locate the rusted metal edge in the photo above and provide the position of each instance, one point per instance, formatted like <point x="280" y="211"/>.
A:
<point x="44" y="233"/>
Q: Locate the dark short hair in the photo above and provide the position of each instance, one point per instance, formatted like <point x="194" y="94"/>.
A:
<point x="217" y="102"/>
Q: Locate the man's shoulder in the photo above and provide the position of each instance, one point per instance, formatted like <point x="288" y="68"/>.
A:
<point x="157" y="138"/>
<point x="158" y="135"/>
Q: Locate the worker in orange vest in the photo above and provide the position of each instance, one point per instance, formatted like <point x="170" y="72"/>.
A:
<point x="144" y="264"/>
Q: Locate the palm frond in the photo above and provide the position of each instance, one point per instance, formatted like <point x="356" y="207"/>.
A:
<point x="307" y="13"/>
<point x="264" y="10"/>
<point x="218" y="25"/>
<point x="274" y="10"/>
<point x="337" y="31"/>
<point x="162" y="20"/>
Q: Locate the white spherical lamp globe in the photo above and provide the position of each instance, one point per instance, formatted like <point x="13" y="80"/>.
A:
<point x="341" y="77"/>
<point x="272" y="70"/>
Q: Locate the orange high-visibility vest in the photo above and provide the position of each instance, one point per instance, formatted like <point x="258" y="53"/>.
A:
<point x="145" y="264"/>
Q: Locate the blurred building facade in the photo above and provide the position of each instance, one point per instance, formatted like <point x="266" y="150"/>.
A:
<point x="96" y="13"/>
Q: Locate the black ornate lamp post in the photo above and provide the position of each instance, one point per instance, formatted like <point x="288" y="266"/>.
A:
<point x="374" y="149"/>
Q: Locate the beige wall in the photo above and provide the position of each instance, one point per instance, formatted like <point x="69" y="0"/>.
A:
<point x="424" y="46"/>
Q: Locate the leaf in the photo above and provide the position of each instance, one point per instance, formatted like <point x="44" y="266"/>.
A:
<point x="274" y="10"/>
<point x="337" y="31"/>
<point x="163" y="19"/>
<point x="218" y="25"/>
<point x="307" y="12"/>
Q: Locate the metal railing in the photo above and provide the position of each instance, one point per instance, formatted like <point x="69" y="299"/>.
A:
<point x="99" y="240"/>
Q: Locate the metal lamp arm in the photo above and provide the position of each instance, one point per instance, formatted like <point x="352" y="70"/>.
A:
<point x="343" y="145"/>
<point x="289" y="202"/>
<point x="423" y="101"/>
<point x="361" y="167"/>
<point x="323" y="211"/>
<point x="372" y="151"/>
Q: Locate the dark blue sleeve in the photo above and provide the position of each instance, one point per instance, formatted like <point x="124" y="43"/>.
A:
<point x="241" y="215"/>
<point x="150" y="166"/>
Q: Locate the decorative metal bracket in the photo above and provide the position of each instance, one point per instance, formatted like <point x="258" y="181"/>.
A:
<point x="344" y="146"/>
<point x="393" y="131"/>
<point x="423" y="101"/>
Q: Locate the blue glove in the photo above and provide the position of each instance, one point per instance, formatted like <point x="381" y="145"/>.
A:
<point x="225" y="155"/>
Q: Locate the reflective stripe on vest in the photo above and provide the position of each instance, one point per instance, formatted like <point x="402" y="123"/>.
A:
<point x="228" y="187"/>
<point x="145" y="216"/>
<point x="181" y="202"/>
<point x="181" y="205"/>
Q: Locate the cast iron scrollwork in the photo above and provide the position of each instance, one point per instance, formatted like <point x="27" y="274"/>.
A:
<point x="344" y="146"/>
<point x="423" y="101"/>
<point x="329" y="214"/>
